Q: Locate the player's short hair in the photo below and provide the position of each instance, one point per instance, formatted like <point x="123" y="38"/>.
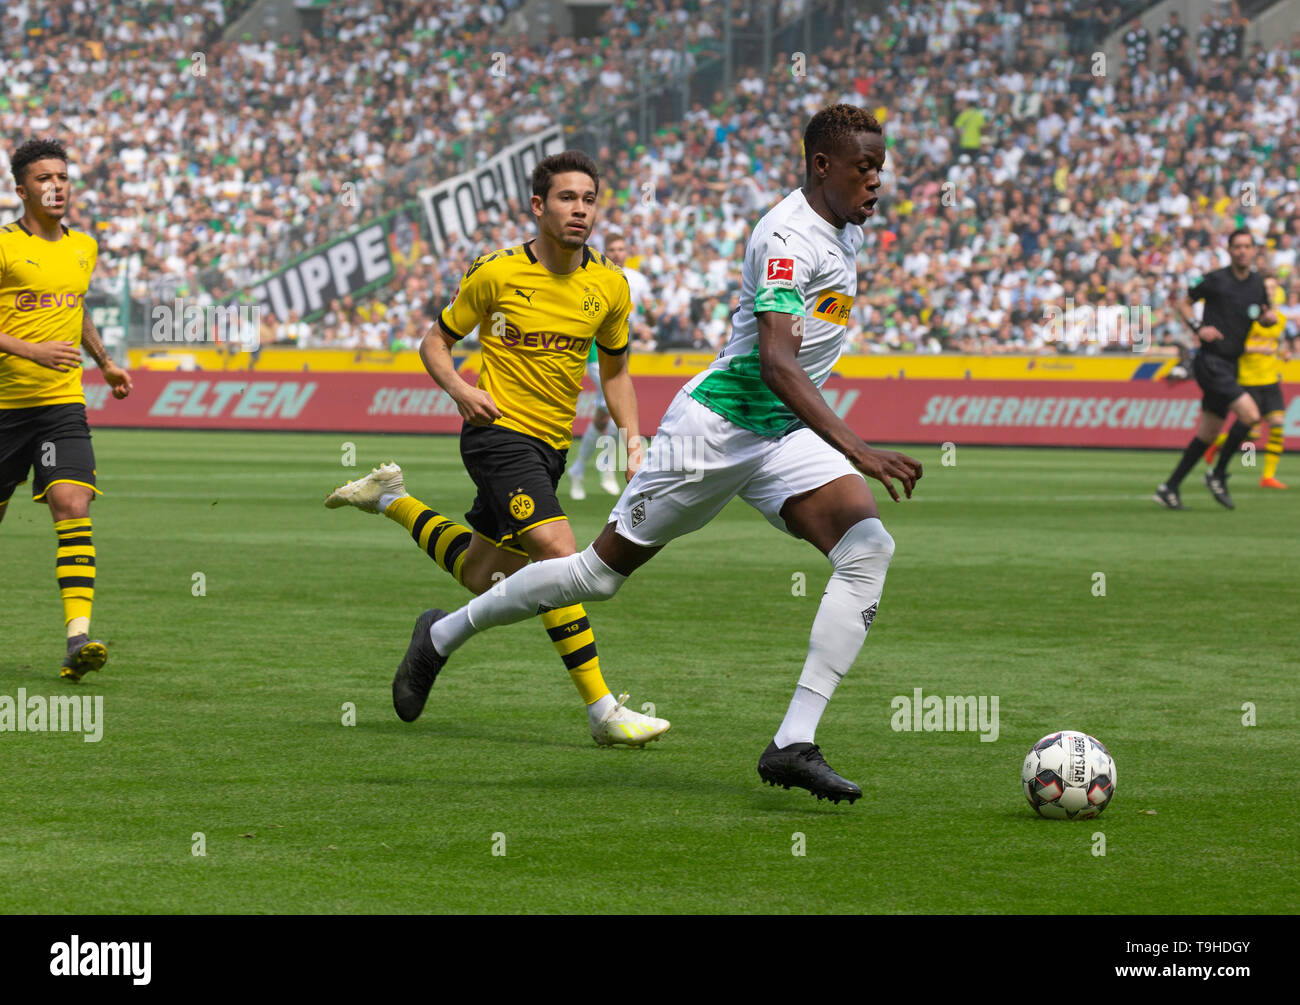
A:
<point x="614" y="235"/>
<point x="1238" y="233"/>
<point x="830" y="128"/>
<point x="566" y="160"/>
<point x="32" y="151"/>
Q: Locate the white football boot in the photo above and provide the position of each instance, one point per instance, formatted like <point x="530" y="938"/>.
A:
<point x="609" y="482"/>
<point x="576" y="490"/>
<point x="622" y="725"/>
<point x="364" y="493"/>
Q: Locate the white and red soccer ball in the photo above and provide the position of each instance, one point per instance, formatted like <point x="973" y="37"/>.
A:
<point x="1068" y="776"/>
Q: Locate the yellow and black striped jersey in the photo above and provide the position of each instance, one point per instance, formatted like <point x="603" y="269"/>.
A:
<point x="1260" y="363"/>
<point x="535" y="329"/>
<point x="42" y="299"/>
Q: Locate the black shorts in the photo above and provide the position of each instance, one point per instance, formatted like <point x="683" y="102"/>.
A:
<point x="1268" y="397"/>
<point x="1217" y="378"/>
<point x="516" y="476"/>
<point x="53" y="439"/>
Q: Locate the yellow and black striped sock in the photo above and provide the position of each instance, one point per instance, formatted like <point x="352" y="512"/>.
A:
<point x="574" y="640"/>
<point x="1221" y="439"/>
<point x="1273" y="450"/>
<point x="444" y="540"/>
<point x="75" y="568"/>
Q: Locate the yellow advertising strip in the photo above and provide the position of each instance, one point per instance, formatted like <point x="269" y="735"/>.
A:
<point x="686" y="365"/>
<point x="280" y="360"/>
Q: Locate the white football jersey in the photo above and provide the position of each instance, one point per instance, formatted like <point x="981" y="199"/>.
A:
<point x="638" y="287"/>
<point x="795" y="263"/>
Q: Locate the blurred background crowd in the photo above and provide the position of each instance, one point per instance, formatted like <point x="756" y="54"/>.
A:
<point x="1022" y="174"/>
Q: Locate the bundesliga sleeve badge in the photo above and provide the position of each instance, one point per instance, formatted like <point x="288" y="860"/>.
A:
<point x="779" y="272"/>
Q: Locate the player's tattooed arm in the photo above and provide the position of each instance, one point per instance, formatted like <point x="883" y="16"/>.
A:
<point x="116" y="377"/>
<point x="779" y="338"/>
<point x="91" y="342"/>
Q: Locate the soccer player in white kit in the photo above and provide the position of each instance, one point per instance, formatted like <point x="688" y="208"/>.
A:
<point x="753" y="425"/>
<point x="638" y="288"/>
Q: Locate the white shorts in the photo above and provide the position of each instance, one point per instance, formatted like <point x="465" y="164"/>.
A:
<point x="700" y="461"/>
<point x="593" y="371"/>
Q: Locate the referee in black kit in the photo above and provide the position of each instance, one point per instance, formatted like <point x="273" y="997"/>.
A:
<point x="1234" y="297"/>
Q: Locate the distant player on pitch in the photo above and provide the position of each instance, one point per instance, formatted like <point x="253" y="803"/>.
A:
<point x="758" y="428"/>
<point x="538" y="307"/>
<point x="1259" y="371"/>
<point x="45" y="270"/>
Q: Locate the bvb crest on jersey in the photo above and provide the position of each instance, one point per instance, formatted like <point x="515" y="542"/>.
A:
<point x="591" y="304"/>
<point x="83" y="261"/>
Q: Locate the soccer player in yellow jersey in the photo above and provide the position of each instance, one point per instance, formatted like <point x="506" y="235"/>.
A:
<point x="45" y="270"/>
<point x="1259" y="374"/>
<point x="538" y="308"/>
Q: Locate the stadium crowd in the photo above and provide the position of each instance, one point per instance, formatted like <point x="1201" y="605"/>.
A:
<point x="1019" y="180"/>
<point x="214" y="162"/>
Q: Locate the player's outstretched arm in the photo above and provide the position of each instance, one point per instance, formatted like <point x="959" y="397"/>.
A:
<point x="779" y="338"/>
<point x="476" y="405"/>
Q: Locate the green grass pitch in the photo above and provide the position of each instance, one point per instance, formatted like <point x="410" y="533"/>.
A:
<point x="223" y="712"/>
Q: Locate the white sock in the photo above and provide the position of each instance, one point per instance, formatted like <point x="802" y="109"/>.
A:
<point x="800" y="725"/>
<point x="450" y="632"/>
<point x="611" y="430"/>
<point x="387" y="499"/>
<point x="600" y="708"/>
<point x="586" y="447"/>
<point x="860" y="559"/>
<point x="556" y="582"/>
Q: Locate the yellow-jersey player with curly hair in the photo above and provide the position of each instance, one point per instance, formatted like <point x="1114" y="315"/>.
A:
<point x="45" y="270"/>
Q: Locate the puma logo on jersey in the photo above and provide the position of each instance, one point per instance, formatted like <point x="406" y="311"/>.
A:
<point x="30" y="262"/>
<point x="777" y="233"/>
<point x="527" y="296"/>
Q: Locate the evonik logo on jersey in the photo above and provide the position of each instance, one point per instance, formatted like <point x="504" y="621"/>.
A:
<point x="30" y="300"/>
<point x="511" y="336"/>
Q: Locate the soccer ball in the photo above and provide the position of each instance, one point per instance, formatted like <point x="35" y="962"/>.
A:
<point x="1068" y="776"/>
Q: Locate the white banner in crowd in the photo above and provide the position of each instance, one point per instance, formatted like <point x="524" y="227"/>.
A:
<point x="452" y="206"/>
